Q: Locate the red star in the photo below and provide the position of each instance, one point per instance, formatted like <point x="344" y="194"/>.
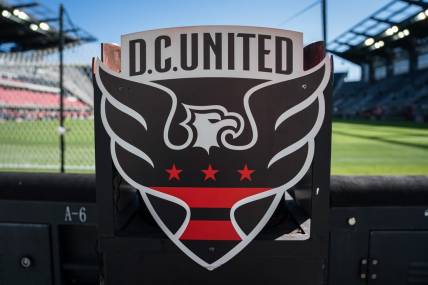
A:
<point x="246" y="173"/>
<point x="209" y="173"/>
<point x="174" y="173"/>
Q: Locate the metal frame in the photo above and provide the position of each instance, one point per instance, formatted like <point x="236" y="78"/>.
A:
<point x="350" y="44"/>
<point x="37" y="14"/>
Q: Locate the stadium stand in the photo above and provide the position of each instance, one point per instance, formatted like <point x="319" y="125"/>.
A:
<point x="29" y="71"/>
<point x="77" y="81"/>
<point x="391" y="47"/>
<point x="26" y="95"/>
<point x="403" y="96"/>
<point x="35" y="131"/>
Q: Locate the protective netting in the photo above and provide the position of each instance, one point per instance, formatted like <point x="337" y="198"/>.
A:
<point x="30" y="112"/>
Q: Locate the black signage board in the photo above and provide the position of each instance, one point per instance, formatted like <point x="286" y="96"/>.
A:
<point x="213" y="156"/>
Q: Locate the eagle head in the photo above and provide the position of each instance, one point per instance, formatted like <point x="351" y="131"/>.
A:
<point x="210" y="124"/>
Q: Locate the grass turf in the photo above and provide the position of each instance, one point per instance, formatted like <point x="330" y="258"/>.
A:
<point x="34" y="145"/>
<point x="358" y="148"/>
<point x="363" y="148"/>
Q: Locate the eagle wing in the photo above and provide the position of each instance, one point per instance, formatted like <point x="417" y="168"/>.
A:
<point x="136" y="116"/>
<point x="290" y="113"/>
<point x="132" y="113"/>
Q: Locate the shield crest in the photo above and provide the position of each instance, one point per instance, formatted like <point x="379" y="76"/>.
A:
<point x="212" y="156"/>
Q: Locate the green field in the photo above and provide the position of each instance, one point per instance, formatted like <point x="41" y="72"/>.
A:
<point x="359" y="148"/>
<point x="362" y="148"/>
<point x="35" y="145"/>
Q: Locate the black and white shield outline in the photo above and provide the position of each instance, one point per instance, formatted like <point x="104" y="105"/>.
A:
<point x="277" y="193"/>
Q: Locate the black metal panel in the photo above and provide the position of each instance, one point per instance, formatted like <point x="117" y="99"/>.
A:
<point x="47" y="187"/>
<point x="25" y="254"/>
<point x="395" y="236"/>
<point x="348" y="250"/>
<point x="53" y="217"/>
<point x="79" y="260"/>
<point x="351" y="245"/>
<point x="398" y="257"/>
<point x="126" y="259"/>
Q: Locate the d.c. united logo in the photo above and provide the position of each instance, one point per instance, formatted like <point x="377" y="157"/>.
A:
<point x="212" y="125"/>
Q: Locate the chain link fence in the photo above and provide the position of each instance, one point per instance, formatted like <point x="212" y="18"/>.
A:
<point x="30" y="114"/>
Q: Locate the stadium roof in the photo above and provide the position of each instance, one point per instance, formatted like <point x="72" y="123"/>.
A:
<point x="32" y="26"/>
<point x="398" y="23"/>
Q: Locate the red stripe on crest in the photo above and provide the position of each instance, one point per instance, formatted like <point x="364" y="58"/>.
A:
<point x="210" y="230"/>
<point x="210" y="197"/>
